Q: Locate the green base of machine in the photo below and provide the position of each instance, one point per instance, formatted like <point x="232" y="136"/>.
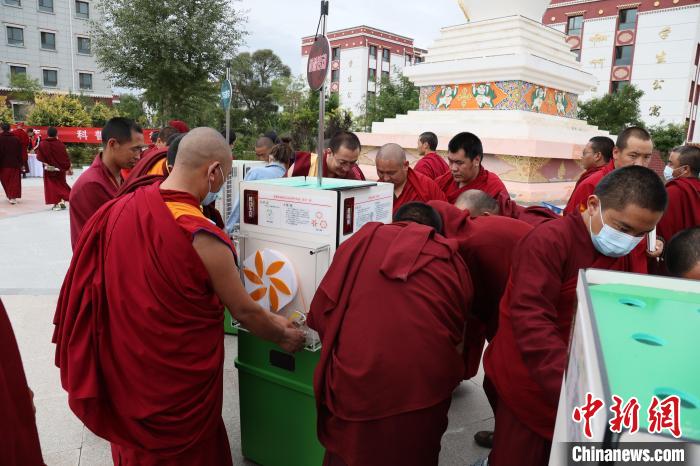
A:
<point x="229" y="326"/>
<point x="278" y="410"/>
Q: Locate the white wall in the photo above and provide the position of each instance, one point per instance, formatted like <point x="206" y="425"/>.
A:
<point x="677" y="72"/>
<point x="594" y="51"/>
<point x="353" y="78"/>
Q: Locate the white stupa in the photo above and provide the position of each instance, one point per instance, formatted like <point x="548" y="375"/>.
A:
<point x="514" y="83"/>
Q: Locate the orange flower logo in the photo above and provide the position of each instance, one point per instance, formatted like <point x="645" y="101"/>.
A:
<point x="276" y="287"/>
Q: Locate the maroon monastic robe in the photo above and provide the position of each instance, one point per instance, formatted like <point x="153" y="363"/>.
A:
<point x="683" y="212"/>
<point x="303" y="162"/>
<point x="418" y="188"/>
<point x="585" y="187"/>
<point x="11" y="165"/>
<point x="149" y="161"/>
<point x="485" y="181"/>
<point x="390" y="335"/>
<point x="533" y="215"/>
<point x="19" y="444"/>
<point x="21" y="134"/>
<point x="527" y="358"/>
<point x="139" y="332"/>
<point x="52" y="152"/>
<point x="432" y="165"/>
<point x="94" y="187"/>
<point x="486" y="244"/>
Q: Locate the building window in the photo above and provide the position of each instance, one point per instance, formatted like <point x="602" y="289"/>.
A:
<point x="13" y="2"/>
<point x="17" y="71"/>
<point x="628" y="19"/>
<point x="578" y="54"/>
<point x="623" y="55"/>
<point x="373" y="51"/>
<point x="50" y="78"/>
<point x="386" y="53"/>
<point x="418" y="60"/>
<point x="46" y="5"/>
<point x="409" y="59"/>
<point x="618" y="86"/>
<point x="336" y="53"/>
<point x="82" y="9"/>
<point x="85" y="81"/>
<point x="385" y="76"/>
<point x="84" y="45"/>
<point x="335" y="76"/>
<point x="370" y="94"/>
<point x="372" y="75"/>
<point x="574" y="25"/>
<point x="48" y="40"/>
<point x="15" y="36"/>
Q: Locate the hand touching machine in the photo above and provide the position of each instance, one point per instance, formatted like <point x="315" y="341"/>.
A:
<point x="290" y="229"/>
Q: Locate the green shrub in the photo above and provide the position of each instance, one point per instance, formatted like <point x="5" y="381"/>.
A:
<point x="82" y="154"/>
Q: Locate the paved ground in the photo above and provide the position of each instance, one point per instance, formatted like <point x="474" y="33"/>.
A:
<point x="36" y="252"/>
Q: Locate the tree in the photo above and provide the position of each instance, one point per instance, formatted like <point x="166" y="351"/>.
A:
<point x="130" y="106"/>
<point x="5" y="111"/>
<point x="24" y="88"/>
<point x="613" y="112"/>
<point x="253" y="77"/>
<point x="58" y="110"/>
<point x="100" y="114"/>
<point x="668" y="136"/>
<point x="396" y="96"/>
<point x="172" y="50"/>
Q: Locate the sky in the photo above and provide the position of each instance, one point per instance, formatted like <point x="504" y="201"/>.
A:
<point x="280" y="24"/>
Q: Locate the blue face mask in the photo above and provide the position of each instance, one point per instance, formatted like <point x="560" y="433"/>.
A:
<point x="611" y="242"/>
<point x="213" y="196"/>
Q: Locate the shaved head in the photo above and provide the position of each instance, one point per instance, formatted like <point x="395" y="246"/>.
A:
<point x="419" y="212"/>
<point x="202" y="147"/>
<point x="264" y="141"/>
<point x="392" y="166"/>
<point x="393" y="152"/>
<point x="683" y="254"/>
<point x="477" y="203"/>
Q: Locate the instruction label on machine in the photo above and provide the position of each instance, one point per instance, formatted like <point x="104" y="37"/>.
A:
<point x="294" y="213"/>
<point x="362" y="209"/>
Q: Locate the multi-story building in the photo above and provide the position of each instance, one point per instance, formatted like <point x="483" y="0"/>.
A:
<point x="362" y="57"/>
<point x="652" y="44"/>
<point x="49" y="40"/>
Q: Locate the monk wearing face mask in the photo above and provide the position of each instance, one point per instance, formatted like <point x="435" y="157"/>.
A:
<point x="526" y="360"/>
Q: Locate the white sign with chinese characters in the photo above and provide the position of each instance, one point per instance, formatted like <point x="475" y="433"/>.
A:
<point x="295" y="213"/>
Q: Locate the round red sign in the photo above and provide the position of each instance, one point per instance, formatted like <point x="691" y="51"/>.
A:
<point x="319" y="61"/>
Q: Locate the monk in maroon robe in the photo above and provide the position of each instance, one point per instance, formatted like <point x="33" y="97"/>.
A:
<point x="466" y="171"/>
<point x="526" y="360"/>
<point x="486" y="244"/>
<point x="683" y="190"/>
<point x="633" y="147"/>
<point x="430" y="164"/>
<point x="20" y="441"/>
<point x="409" y="185"/>
<point x="683" y="254"/>
<point x="390" y="313"/>
<point x="339" y="159"/>
<point x="10" y="164"/>
<point x="122" y="142"/>
<point x="153" y="161"/>
<point x="53" y="154"/>
<point x="596" y="155"/>
<point x="20" y="133"/>
<point x="139" y="335"/>
<point x="479" y="203"/>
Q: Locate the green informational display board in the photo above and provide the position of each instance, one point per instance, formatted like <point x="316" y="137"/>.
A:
<point x="650" y="342"/>
<point x="278" y="409"/>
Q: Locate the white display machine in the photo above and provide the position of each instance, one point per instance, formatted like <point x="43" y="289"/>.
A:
<point x="230" y="195"/>
<point x="633" y="336"/>
<point x="291" y="227"/>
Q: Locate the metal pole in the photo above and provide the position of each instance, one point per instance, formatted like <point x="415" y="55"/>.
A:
<point x="321" y="104"/>
<point x="228" y="107"/>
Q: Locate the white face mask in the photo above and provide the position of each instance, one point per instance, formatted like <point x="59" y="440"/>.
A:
<point x="213" y="196"/>
<point x="668" y="173"/>
<point x="611" y="242"/>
